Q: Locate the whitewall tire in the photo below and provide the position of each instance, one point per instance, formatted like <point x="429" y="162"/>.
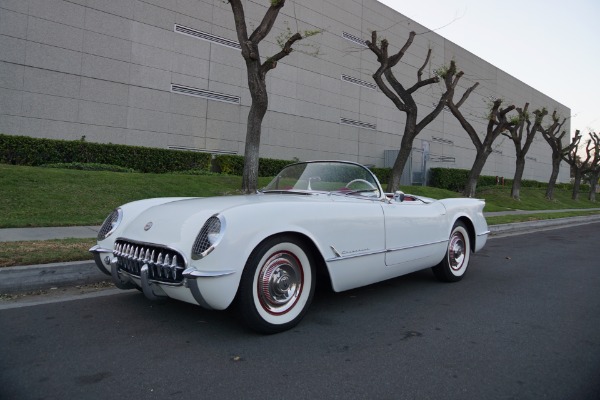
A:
<point x="456" y="261"/>
<point x="277" y="285"/>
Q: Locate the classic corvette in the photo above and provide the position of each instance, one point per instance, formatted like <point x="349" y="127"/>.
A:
<point x="262" y="252"/>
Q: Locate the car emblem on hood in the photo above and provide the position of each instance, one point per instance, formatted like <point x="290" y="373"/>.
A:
<point x="148" y="226"/>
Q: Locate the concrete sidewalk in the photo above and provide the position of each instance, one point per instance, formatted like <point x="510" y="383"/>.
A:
<point x="46" y="276"/>
<point x="63" y="232"/>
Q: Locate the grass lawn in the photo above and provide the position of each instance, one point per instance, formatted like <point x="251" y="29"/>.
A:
<point x="44" y="251"/>
<point x="33" y="197"/>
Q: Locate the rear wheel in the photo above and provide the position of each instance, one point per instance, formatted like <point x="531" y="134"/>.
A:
<point x="277" y="285"/>
<point x="454" y="265"/>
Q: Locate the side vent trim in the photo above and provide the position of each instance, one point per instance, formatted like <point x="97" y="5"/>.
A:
<point x="207" y="36"/>
<point x="444" y="141"/>
<point x="354" y="39"/>
<point x="360" y="124"/>
<point x="359" y="82"/>
<point x="205" y="94"/>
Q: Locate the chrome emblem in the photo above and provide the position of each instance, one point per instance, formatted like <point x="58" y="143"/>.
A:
<point x="148" y="226"/>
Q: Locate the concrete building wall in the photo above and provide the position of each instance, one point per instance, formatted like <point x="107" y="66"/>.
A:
<point x="105" y="69"/>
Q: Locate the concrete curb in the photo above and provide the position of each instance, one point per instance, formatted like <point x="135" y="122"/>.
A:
<point x="35" y="277"/>
<point x="532" y="226"/>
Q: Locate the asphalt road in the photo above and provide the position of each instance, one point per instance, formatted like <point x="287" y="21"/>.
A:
<point x="523" y="324"/>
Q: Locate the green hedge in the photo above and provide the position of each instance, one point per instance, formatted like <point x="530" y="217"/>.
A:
<point x="234" y="165"/>
<point x="24" y="150"/>
<point x="382" y="174"/>
<point x="456" y="179"/>
<point x="90" y="167"/>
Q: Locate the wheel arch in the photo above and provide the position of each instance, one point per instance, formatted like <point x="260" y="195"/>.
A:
<point x="320" y="266"/>
<point x="470" y="229"/>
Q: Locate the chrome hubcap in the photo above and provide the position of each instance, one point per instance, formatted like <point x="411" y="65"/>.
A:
<point x="280" y="282"/>
<point x="456" y="251"/>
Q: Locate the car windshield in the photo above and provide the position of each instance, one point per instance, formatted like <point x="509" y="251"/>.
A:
<point x="326" y="176"/>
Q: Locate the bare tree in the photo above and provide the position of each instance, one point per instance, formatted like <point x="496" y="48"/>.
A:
<point x="554" y="136"/>
<point x="403" y="98"/>
<point x="595" y="167"/>
<point x="257" y="71"/>
<point x="522" y="134"/>
<point x="580" y="166"/>
<point x="497" y="123"/>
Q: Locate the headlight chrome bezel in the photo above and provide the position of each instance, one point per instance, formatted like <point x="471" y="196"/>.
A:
<point x="209" y="237"/>
<point x="110" y="224"/>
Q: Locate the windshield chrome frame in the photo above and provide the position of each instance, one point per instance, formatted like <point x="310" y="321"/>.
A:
<point x="381" y="196"/>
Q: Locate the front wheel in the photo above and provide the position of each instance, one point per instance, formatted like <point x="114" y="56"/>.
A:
<point x="277" y="285"/>
<point x="454" y="265"/>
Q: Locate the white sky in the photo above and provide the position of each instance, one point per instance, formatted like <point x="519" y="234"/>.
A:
<point x="552" y="45"/>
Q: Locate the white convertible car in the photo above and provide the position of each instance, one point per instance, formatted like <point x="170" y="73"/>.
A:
<point x="262" y="252"/>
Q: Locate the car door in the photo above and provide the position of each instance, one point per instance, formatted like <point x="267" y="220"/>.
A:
<point x="416" y="234"/>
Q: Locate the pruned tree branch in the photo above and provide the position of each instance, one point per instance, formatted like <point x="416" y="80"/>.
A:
<point x="263" y="29"/>
<point x="271" y="62"/>
<point x="403" y="98"/>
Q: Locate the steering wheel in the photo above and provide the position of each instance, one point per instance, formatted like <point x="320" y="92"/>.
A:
<point x="362" y="181"/>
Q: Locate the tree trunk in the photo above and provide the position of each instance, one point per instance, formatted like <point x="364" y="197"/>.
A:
<point x="476" y="169"/>
<point x="576" y="184"/>
<point x="258" y="109"/>
<point x="398" y="168"/>
<point x="515" y="191"/>
<point x="405" y="148"/>
<point x="553" y="177"/>
<point x="593" y="186"/>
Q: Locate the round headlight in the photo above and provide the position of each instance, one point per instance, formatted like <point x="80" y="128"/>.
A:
<point x="110" y="224"/>
<point x="209" y="237"/>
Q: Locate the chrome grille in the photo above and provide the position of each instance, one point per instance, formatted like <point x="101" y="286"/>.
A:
<point x="164" y="265"/>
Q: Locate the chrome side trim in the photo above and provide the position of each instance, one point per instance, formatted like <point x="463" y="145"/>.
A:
<point x="194" y="273"/>
<point x="337" y="253"/>
<point x="347" y="257"/>
<point x="371" y="253"/>
<point x="484" y="233"/>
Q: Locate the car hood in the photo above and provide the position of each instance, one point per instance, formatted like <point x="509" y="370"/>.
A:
<point x="167" y="222"/>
